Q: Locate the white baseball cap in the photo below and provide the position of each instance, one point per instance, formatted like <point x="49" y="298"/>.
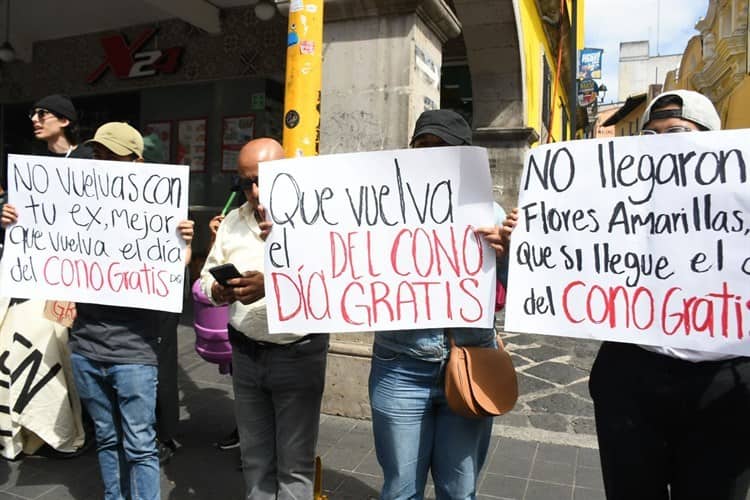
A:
<point x="695" y="107"/>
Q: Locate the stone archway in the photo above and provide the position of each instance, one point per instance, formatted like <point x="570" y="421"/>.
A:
<point x="490" y="34"/>
<point x="493" y="50"/>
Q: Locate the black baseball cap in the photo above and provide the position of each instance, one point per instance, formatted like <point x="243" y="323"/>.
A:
<point x="59" y="104"/>
<point x="444" y="123"/>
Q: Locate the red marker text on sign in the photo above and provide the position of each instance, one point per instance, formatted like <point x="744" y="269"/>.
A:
<point x="432" y="264"/>
<point x="718" y="313"/>
<point x="82" y="273"/>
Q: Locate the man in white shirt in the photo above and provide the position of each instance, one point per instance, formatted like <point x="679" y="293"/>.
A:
<point x="278" y="379"/>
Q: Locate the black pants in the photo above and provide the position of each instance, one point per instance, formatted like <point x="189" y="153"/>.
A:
<point x="167" y="392"/>
<point x="670" y="425"/>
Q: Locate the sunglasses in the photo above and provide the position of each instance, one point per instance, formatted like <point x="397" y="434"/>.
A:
<point x="40" y="113"/>
<point x="678" y="129"/>
<point x="243" y="183"/>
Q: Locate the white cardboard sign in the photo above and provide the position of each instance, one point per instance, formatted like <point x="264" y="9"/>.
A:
<point x="96" y="232"/>
<point x="379" y="241"/>
<point x="636" y="239"/>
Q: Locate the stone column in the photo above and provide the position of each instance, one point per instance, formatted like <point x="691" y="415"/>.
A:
<point x="381" y="69"/>
<point x="506" y="148"/>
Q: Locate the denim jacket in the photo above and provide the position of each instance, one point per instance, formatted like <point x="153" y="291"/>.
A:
<point x="431" y="344"/>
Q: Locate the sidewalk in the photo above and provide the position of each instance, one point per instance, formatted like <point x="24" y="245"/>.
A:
<point x="516" y="469"/>
<point x="524" y="463"/>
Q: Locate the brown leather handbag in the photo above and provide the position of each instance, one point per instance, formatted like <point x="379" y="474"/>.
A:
<point x="480" y="381"/>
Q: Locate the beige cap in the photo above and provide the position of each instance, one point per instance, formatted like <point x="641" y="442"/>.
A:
<point x="120" y="138"/>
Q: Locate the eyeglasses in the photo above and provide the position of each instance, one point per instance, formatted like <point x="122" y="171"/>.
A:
<point x="39" y="112"/>
<point x="677" y="129"/>
<point x="243" y="183"/>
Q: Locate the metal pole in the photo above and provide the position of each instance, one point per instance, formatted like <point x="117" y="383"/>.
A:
<point x="573" y="92"/>
<point x="304" y="61"/>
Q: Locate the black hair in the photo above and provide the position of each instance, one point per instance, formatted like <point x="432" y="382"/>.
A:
<point x="71" y="131"/>
<point x="666" y="100"/>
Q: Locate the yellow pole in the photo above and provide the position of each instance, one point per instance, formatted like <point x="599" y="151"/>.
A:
<point x="318" y="485"/>
<point x="304" y="61"/>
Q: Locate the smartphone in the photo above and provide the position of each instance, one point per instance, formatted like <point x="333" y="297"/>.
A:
<point x="224" y="273"/>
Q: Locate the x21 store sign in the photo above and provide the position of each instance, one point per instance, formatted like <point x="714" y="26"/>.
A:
<point x="129" y="61"/>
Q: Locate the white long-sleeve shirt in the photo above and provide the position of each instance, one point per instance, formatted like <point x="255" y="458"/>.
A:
<point x="238" y="242"/>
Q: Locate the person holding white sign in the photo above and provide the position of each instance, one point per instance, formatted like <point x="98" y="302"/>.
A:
<point x="672" y="423"/>
<point x="114" y="357"/>
<point x="278" y="379"/>
<point x="415" y="430"/>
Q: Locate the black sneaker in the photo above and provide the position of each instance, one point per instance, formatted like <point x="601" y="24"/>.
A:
<point x="166" y="450"/>
<point x="230" y="442"/>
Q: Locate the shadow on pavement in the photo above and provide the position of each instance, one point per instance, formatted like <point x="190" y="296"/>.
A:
<point x="199" y="469"/>
<point x="41" y="476"/>
<point x="350" y="486"/>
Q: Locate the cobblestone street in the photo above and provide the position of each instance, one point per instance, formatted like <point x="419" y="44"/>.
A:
<point x="553" y="383"/>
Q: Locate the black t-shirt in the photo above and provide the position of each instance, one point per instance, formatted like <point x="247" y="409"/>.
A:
<point x="110" y="334"/>
<point x="82" y="151"/>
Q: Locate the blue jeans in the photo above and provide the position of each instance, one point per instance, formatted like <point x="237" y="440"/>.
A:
<point x="415" y="430"/>
<point x="121" y="400"/>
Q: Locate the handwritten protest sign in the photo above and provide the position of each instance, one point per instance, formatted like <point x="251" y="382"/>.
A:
<point x="381" y="240"/>
<point x="636" y="239"/>
<point x="38" y="399"/>
<point x="61" y="312"/>
<point x="96" y="232"/>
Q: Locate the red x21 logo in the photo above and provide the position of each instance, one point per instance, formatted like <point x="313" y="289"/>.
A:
<point x="127" y="61"/>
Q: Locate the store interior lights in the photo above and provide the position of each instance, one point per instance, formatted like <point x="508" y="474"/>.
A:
<point x="265" y="11"/>
<point x="7" y="53"/>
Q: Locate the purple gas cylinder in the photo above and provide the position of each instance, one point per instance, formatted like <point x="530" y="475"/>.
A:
<point x="211" y="337"/>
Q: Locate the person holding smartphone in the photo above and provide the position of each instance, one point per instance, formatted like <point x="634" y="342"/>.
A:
<point x="278" y="379"/>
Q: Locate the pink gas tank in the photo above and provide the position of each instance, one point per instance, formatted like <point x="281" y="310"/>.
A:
<point x="211" y="337"/>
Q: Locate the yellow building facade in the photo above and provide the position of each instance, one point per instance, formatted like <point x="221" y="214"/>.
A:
<point x="715" y="63"/>
<point x="540" y="36"/>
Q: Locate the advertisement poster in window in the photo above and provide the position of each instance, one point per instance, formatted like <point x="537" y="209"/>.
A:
<point x="237" y="131"/>
<point x="191" y="144"/>
<point x="163" y="131"/>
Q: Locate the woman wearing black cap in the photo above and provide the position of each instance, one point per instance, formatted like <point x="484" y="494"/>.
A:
<point x="415" y="430"/>
<point x="55" y="122"/>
